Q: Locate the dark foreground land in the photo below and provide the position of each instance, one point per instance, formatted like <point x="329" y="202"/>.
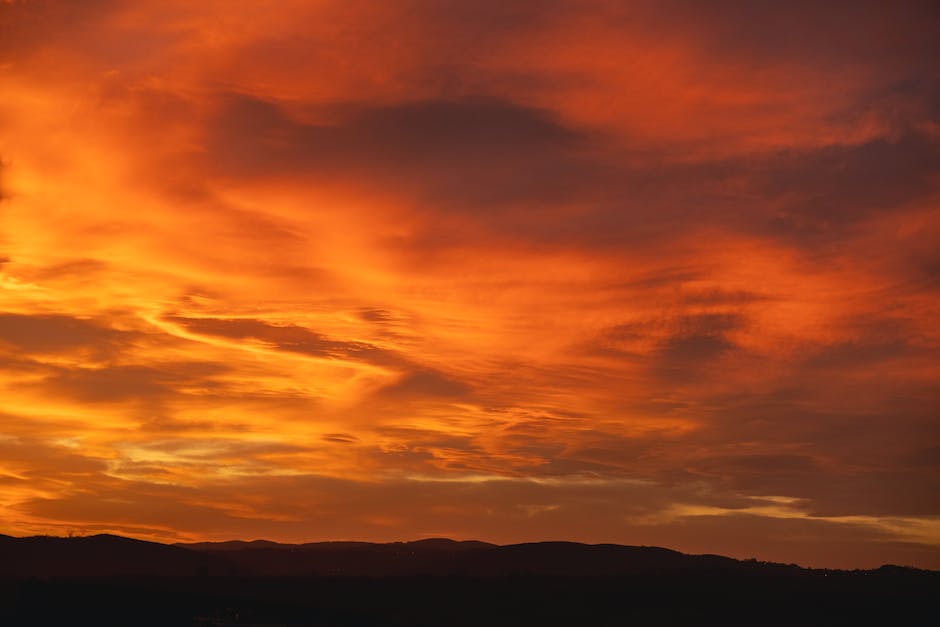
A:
<point x="458" y="600"/>
<point x="54" y="581"/>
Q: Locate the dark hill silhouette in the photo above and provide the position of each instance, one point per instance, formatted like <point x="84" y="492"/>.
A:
<point x="104" y="555"/>
<point x="233" y="545"/>
<point x="338" y="545"/>
<point x="100" y="555"/>
<point x="570" y="558"/>
<point x="113" y="581"/>
<point x="438" y="556"/>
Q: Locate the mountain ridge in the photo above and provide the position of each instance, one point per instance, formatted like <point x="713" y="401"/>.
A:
<point x="110" y="555"/>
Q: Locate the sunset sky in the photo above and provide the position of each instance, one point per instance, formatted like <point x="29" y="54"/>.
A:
<point x="652" y="272"/>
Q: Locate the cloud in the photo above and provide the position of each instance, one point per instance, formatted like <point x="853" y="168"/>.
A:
<point x="290" y="338"/>
<point x="328" y="508"/>
<point x="472" y="153"/>
<point x="36" y="459"/>
<point x="834" y="187"/>
<point x="130" y="382"/>
<point x="426" y="384"/>
<point x="57" y="333"/>
<point x="27" y="26"/>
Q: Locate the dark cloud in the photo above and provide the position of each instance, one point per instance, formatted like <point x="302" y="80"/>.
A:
<point x="291" y="338"/>
<point x="427" y="437"/>
<point x="722" y="297"/>
<point x="853" y="457"/>
<point x="39" y="459"/>
<point x="831" y="187"/>
<point x="463" y="153"/>
<point x="694" y="350"/>
<point x="503" y="165"/>
<point x="254" y="135"/>
<point x="219" y="449"/>
<point x="871" y="351"/>
<point x="685" y="344"/>
<point x="131" y="382"/>
<point x="578" y="450"/>
<point x="135" y="504"/>
<point x="826" y="490"/>
<point x="161" y="424"/>
<point x="922" y="250"/>
<point x="81" y="269"/>
<point x="416" y="382"/>
<point x="376" y="315"/>
<point x="806" y="197"/>
<point x="426" y="384"/>
<point x="340" y="438"/>
<point x="29" y="26"/>
<point x="833" y="36"/>
<point x="56" y="333"/>
<point x="881" y="492"/>
<point x="420" y="451"/>
<point x="810" y="198"/>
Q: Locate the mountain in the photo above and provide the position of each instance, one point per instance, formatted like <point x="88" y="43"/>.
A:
<point x="100" y="555"/>
<point x="103" y="555"/>
<point x="429" y="556"/>
<point x="438" y="556"/>
<point x="108" y="581"/>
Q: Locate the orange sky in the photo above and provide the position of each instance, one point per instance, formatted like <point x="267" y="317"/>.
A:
<point x="648" y="273"/>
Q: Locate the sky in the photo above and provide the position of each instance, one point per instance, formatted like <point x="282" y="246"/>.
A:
<point x="652" y="273"/>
